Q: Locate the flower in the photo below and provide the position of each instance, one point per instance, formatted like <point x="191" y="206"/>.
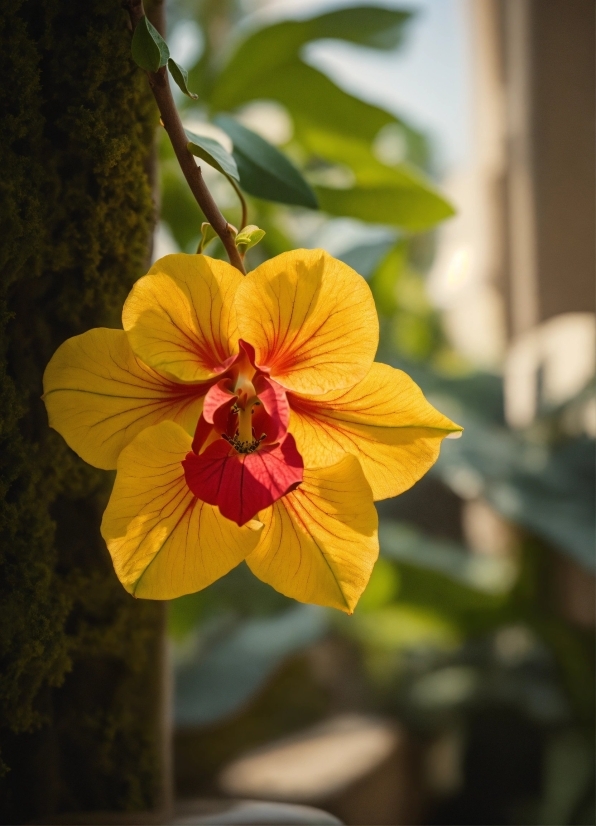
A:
<point x="247" y="419"/>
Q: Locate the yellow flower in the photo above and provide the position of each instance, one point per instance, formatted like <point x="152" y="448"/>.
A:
<point x="247" y="420"/>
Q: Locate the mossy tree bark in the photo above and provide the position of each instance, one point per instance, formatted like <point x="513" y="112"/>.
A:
<point x="79" y="658"/>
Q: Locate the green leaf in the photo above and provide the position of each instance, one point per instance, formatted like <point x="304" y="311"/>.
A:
<point x="207" y="235"/>
<point x="385" y="278"/>
<point x="411" y="206"/>
<point x="365" y="258"/>
<point x="264" y="171"/>
<point x="180" y="75"/>
<point x="213" y="153"/>
<point x="484" y="577"/>
<point x="399" y="627"/>
<point x="382" y="588"/>
<point x="397" y="195"/>
<point x="548" y="490"/>
<point x="149" y="49"/>
<point x="248" y="237"/>
<point x="328" y="122"/>
<point x="237" y="664"/>
<point x="262" y="53"/>
<point x="267" y="65"/>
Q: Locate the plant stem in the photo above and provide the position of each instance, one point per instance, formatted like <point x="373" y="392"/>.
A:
<point x="160" y="86"/>
<point x="244" y="219"/>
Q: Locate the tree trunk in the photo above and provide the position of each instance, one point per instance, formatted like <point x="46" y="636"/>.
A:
<point x="80" y="660"/>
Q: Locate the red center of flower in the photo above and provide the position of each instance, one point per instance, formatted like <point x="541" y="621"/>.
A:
<point x="243" y="459"/>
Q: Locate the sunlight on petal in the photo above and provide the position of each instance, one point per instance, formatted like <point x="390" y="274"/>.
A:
<point x="384" y="420"/>
<point x="319" y="543"/>
<point x="180" y="317"/>
<point x="165" y="542"/>
<point x="311" y="320"/>
<point x="99" y="396"/>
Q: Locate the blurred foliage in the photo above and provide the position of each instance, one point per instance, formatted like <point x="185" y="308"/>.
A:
<point x="335" y="135"/>
<point x="450" y="641"/>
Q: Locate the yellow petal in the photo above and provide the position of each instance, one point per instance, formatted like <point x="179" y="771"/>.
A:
<point x="99" y="396"/>
<point x="164" y="541"/>
<point x="319" y="543"/>
<point x="311" y="320"/>
<point x="384" y="420"/>
<point x="180" y="316"/>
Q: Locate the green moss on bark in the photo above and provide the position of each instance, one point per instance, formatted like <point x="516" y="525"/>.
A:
<point x="78" y="657"/>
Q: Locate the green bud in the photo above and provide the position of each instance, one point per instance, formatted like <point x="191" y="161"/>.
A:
<point x="207" y="235"/>
<point x="249" y="237"/>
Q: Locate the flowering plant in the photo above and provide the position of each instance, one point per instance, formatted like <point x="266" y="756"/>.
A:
<point x="246" y="419"/>
<point x="245" y="416"/>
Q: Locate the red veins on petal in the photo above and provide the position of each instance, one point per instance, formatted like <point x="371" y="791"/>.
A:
<point x="217" y="395"/>
<point x="218" y="401"/>
<point x="242" y="484"/>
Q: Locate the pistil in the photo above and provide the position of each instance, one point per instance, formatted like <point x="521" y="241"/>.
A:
<point x="244" y="431"/>
<point x="243" y="440"/>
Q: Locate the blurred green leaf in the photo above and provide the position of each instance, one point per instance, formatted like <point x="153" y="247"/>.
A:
<point x="213" y="153"/>
<point x="554" y="498"/>
<point x="401" y="626"/>
<point x="385" y="278"/>
<point x="262" y="53"/>
<point x="264" y="171"/>
<point x="549" y="490"/>
<point x="396" y="194"/>
<point x="414" y="335"/>
<point x="180" y="75"/>
<point x="484" y="574"/>
<point x="400" y="294"/>
<point x="365" y="258"/>
<point x="382" y="587"/>
<point x="569" y="777"/>
<point x="179" y="209"/>
<point x="479" y="393"/>
<point x="325" y="116"/>
<point x="408" y="204"/>
<point x="355" y="150"/>
<point x="236" y="665"/>
<point x="149" y="49"/>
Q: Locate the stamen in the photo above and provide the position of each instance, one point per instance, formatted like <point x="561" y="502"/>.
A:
<point x="243" y="446"/>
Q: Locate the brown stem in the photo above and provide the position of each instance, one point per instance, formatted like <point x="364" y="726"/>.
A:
<point x="160" y="86"/>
